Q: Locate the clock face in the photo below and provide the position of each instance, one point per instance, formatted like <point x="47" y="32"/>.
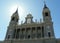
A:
<point x="48" y="27"/>
<point x="28" y="20"/>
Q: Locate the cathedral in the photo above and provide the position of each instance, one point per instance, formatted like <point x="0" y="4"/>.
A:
<point x="30" y="31"/>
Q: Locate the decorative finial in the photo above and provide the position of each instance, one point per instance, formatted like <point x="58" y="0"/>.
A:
<point x="45" y="4"/>
<point x="17" y="10"/>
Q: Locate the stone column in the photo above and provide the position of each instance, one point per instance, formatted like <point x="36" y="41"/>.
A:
<point x="19" y="34"/>
<point x="42" y="32"/>
<point x="24" y="33"/>
<point x="36" y="32"/>
<point x="31" y="33"/>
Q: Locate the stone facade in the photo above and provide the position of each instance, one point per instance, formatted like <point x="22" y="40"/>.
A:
<point x="41" y="40"/>
<point x="30" y="31"/>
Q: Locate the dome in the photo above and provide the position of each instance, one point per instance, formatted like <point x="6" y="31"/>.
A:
<point x="29" y="16"/>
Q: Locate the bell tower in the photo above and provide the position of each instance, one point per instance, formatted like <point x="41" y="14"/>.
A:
<point x="12" y="25"/>
<point x="46" y="14"/>
<point x="48" y="24"/>
<point x="14" y="18"/>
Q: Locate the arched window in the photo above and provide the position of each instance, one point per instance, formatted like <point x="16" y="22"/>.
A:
<point x="8" y="36"/>
<point x="17" y="33"/>
<point x="49" y="34"/>
<point x="13" y="18"/>
<point x="33" y="29"/>
<point x="28" y="36"/>
<point x="46" y="13"/>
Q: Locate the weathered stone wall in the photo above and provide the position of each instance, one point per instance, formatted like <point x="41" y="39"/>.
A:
<point x="50" y="40"/>
<point x="31" y="41"/>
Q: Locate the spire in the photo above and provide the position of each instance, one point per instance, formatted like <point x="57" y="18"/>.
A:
<point x="45" y="4"/>
<point x="16" y="11"/>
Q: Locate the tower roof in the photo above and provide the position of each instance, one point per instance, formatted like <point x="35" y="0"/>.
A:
<point x="16" y="11"/>
<point x="15" y="14"/>
<point x="45" y="6"/>
<point x="29" y="16"/>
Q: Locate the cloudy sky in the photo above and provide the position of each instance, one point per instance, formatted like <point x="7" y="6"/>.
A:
<point x="35" y="7"/>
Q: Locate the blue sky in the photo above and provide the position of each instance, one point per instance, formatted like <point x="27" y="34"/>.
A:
<point x="34" y="7"/>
